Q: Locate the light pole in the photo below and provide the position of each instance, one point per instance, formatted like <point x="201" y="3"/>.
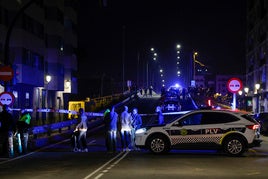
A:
<point x="194" y="60"/>
<point x="257" y="87"/>
<point x="123" y="57"/>
<point x="246" y="89"/>
<point x="147" y="66"/>
<point x="240" y="92"/>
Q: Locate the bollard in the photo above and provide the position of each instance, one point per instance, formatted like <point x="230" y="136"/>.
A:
<point x="10" y="145"/>
<point x="19" y="143"/>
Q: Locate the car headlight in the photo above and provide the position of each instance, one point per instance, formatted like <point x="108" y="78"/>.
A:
<point x="140" y="131"/>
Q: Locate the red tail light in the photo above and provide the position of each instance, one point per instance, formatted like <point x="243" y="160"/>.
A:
<point x="253" y="127"/>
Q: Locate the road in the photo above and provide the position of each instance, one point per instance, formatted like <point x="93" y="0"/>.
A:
<point x="58" y="161"/>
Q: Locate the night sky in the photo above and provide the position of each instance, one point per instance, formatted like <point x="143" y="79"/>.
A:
<point x="215" y="29"/>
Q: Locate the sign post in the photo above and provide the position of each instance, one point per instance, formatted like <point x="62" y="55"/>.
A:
<point x="234" y="85"/>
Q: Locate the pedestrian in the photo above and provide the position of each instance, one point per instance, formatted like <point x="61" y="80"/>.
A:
<point x="145" y="91"/>
<point x="23" y="126"/>
<point x="151" y="91"/>
<point x="160" y="116"/>
<point x="141" y="91"/>
<point x="112" y="131"/>
<point x="7" y="129"/>
<point x="136" y="124"/>
<point x="107" y="119"/>
<point x="82" y="128"/>
<point x="125" y="120"/>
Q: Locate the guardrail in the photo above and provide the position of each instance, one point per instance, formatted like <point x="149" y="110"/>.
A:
<point x="49" y="133"/>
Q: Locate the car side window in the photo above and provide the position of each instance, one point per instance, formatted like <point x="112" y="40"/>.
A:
<point x="217" y="118"/>
<point x="194" y="119"/>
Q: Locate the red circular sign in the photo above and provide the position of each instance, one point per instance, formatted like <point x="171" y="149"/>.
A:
<point x="6" y="73"/>
<point x="234" y="85"/>
<point x="6" y="98"/>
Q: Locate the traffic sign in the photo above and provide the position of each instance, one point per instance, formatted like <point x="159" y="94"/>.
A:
<point x="6" y="73"/>
<point x="234" y="85"/>
<point x="6" y="98"/>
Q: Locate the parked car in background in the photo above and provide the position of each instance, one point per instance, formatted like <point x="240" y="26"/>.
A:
<point x="230" y="131"/>
<point x="171" y="106"/>
<point x="262" y="118"/>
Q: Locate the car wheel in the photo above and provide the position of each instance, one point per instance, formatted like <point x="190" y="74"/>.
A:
<point x="234" y="146"/>
<point x="158" y="144"/>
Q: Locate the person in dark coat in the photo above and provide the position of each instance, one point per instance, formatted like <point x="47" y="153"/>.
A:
<point x="136" y="124"/>
<point x="7" y="128"/>
<point x="111" y="123"/>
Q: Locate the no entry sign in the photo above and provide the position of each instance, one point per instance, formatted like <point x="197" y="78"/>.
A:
<point x="234" y="85"/>
<point x="6" y="73"/>
<point x="6" y="98"/>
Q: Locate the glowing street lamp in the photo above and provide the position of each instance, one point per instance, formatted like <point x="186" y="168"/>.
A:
<point x="194" y="60"/>
<point x="48" y="78"/>
<point x="246" y="89"/>
<point x="257" y="87"/>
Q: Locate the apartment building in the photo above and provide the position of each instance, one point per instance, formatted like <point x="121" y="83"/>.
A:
<point x="41" y="50"/>
<point x="256" y="54"/>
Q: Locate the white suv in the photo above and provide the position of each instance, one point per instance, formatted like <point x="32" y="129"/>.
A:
<point x="234" y="132"/>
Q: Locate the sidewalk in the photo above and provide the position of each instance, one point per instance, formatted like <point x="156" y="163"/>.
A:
<point x="264" y="138"/>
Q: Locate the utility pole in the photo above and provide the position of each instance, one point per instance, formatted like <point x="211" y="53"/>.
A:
<point x="123" y="57"/>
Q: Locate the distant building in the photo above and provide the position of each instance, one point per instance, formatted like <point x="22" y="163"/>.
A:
<point x="42" y="44"/>
<point x="257" y="54"/>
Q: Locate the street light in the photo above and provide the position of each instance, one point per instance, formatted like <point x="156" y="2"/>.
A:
<point x="48" y="78"/>
<point x="194" y="60"/>
<point x="257" y="87"/>
<point x="246" y="89"/>
<point x="240" y="92"/>
<point x="147" y="66"/>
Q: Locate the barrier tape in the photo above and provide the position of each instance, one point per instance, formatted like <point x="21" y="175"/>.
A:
<point x="63" y="111"/>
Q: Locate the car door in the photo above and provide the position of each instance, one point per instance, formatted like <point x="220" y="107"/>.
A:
<point x="185" y="132"/>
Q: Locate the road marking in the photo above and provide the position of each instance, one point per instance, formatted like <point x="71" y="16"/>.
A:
<point x="116" y="160"/>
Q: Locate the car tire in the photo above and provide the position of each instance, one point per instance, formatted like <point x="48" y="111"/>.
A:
<point x="234" y="146"/>
<point x="158" y="144"/>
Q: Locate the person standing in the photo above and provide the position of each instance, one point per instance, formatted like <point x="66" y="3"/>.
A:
<point x="125" y="128"/>
<point x="107" y="120"/>
<point x="82" y="128"/>
<point x="160" y="116"/>
<point x="23" y="127"/>
<point x="7" y="128"/>
<point x="136" y="124"/>
<point x="113" y="130"/>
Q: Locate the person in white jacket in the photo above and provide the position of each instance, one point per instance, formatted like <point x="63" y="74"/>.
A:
<point x="126" y="121"/>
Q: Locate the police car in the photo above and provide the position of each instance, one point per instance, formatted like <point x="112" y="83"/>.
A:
<point x="233" y="132"/>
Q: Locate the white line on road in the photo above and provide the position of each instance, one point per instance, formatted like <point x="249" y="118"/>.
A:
<point x="117" y="159"/>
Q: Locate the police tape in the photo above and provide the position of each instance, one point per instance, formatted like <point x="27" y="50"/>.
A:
<point x="63" y="111"/>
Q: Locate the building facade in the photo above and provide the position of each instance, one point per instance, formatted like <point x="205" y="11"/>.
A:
<point x="41" y="51"/>
<point x="256" y="54"/>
